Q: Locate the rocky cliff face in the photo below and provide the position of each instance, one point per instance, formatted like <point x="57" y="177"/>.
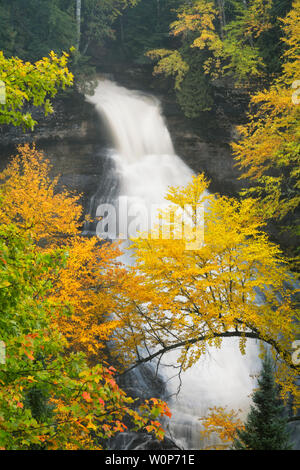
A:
<point x="74" y="140"/>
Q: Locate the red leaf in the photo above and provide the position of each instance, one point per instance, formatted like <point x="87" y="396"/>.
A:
<point x="86" y="396"/>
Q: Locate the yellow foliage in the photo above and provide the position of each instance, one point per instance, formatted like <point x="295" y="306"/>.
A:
<point x="170" y="63"/>
<point x="223" y="423"/>
<point x="30" y="200"/>
<point x="83" y="286"/>
<point x="192" y="298"/>
<point x="268" y="151"/>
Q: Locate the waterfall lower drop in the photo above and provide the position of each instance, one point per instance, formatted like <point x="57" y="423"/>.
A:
<point x="146" y="166"/>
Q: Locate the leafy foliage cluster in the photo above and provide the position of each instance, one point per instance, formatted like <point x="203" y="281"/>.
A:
<point x="265" y="427"/>
<point x="31" y="84"/>
<point x="57" y="390"/>
<point x="222" y="38"/>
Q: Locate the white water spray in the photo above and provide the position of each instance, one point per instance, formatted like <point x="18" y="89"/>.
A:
<point x="147" y="166"/>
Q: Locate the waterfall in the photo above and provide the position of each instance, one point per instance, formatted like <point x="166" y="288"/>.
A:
<point x="145" y="166"/>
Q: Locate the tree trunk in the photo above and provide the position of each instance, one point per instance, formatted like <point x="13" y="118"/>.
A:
<point x="122" y="35"/>
<point x="222" y="16"/>
<point x="78" y="21"/>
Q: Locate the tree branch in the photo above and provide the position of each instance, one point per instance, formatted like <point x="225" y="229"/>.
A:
<point x="226" y="334"/>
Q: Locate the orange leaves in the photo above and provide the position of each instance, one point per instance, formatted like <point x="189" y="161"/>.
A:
<point x="112" y="383"/>
<point x="155" y="427"/>
<point x="29" y="355"/>
<point x="223" y="423"/>
<point x="103" y="407"/>
<point x="86" y="396"/>
<point x="68" y="289"/>
<point x="160" y="407"/>
<point x="31" y="200"/>
<point x="102" y="402"/>
<point x="120" y="427"/>
<point x="83" y="285"/>
<point x="27" y="345"/>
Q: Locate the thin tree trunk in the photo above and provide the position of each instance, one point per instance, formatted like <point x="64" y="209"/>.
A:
<point x="78" y="21"/>
<point x="122" y="35"/>
<point x="222" y="17"/>
<point x="84" y="51"/>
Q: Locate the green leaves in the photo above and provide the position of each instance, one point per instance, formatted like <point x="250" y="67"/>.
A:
<point x="170" y="63"/>
<point x="28" y="83"/>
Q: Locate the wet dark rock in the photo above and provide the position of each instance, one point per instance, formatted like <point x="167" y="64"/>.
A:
<point x="72" y="138"/>
<point x="143" y="383"/>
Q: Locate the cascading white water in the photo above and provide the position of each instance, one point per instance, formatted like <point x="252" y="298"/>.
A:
<point x="134" y="121"/>
<point x="147" y="165"/>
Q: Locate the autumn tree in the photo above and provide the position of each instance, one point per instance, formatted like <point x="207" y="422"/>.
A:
<point x="223" y="424"/>
<point x="32" y="202"/>
<point x="53" y="219"/>
<point x="87" y="284"/>
<point x="31" y="83"/>
<point x="57" y="390"/>
<point x="191" y="297"/>
<point x="268" y="151"/>
<point x="50" y="398"/>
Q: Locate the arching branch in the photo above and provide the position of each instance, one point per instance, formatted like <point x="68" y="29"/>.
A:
<point x="227" y="334"/>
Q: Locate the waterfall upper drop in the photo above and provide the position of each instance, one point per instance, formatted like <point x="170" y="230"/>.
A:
<point x="146" y="163"/>
<point x="134" y="121"/>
